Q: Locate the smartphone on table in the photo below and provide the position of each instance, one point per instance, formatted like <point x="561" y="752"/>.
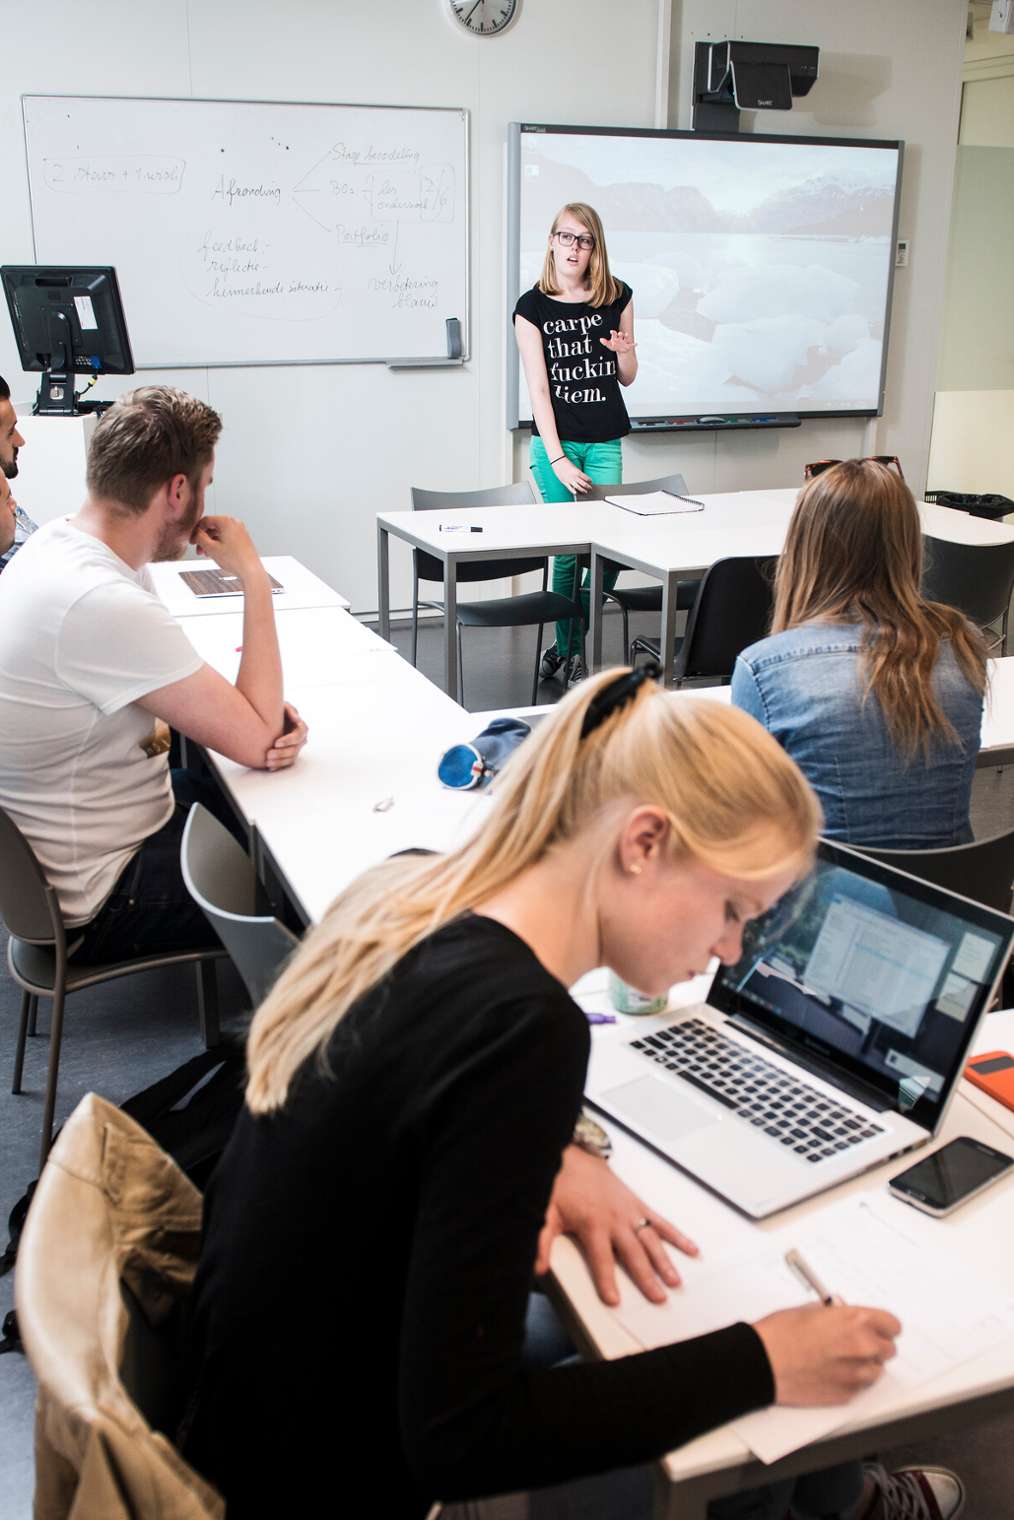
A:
<point x="955" y="1173"/>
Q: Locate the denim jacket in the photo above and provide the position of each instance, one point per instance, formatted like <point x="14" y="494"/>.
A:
<point x="806" y="686"/>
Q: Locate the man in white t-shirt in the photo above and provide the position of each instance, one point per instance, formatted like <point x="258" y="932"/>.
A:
<point x="89" y="660"/>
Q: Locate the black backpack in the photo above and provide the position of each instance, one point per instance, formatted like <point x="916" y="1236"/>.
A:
<point x="191" y="1113"/>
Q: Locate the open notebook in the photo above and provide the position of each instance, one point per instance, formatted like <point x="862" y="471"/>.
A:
<point x="656" y="503"/>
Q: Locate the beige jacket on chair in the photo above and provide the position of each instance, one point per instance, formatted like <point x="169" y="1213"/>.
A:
<point x="111" y="1208"/>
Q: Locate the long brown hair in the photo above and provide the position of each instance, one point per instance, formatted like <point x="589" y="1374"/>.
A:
<point x="854" y="555"/>
<point x="734" y="799"/>
<point x="603" y="288"/>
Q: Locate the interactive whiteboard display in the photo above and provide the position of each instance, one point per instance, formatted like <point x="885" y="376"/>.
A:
<point x="761" y="267"/>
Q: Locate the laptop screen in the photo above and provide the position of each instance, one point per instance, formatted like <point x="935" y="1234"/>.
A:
<point x="868" y="968"/>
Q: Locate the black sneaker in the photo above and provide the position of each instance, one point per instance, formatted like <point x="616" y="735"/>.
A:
<point x="552" y="663"/>
<point x="575" y="670"/>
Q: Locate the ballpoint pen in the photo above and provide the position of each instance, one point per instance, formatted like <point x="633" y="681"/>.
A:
<point x="808" y="1277"/>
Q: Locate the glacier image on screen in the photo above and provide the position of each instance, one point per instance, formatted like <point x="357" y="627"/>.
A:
<point x="761" y="271"/>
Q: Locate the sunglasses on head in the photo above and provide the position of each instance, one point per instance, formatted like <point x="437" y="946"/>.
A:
<point x="811" y="471"/>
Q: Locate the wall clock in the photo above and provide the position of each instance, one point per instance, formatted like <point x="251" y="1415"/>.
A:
<point x="484" y="18"/>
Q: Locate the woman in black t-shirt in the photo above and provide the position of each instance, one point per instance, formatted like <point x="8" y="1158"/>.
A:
<point x="575" y="333"/>
<point x="414" y="1076"/>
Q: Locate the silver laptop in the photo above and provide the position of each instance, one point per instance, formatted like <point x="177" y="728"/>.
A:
<point x="835" y="1043"/>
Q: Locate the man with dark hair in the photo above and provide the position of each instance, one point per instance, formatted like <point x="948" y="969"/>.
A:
<point x="15" y="523"/>
<point x="90" y="659"/>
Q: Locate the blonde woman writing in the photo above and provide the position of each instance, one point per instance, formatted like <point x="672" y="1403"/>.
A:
<point x="575" y="334"/>
<point x="414" y="1077"/>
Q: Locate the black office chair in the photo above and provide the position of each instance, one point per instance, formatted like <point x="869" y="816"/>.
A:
<point x="522" y="611"/>
<point x="982" y="870"/>
<point x="37" y="955"/>
<point x="644" y="598"/>
<point x="978" y="579"/>
<point x="732" y="610"/>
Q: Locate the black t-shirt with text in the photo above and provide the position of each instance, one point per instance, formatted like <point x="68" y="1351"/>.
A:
<point x="583" y="383"/>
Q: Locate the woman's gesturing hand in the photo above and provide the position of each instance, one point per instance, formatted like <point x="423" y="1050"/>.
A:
<point x="619" y="342"/>
<point x="825" y="1356"/>
<point x="568" y="474"/>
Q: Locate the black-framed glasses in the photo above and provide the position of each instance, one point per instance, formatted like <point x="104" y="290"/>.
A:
<point x="811" y="471"/>
<point x="582" y="239"/>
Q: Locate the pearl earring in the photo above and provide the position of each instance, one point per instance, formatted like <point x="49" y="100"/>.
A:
<point x="635" y="870"/>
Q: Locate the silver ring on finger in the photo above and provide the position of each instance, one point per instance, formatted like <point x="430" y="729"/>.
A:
<point x="642" y="1224"/>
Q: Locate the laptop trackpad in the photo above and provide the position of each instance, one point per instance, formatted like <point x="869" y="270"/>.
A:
<point x="658" y="1107"/>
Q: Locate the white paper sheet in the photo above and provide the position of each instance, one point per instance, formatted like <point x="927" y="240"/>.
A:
<point x="867" y="1254"/>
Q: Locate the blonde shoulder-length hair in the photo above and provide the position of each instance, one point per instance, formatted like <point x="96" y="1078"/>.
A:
<point x="603" y="288"/>
<point x="734" y="800"/>
<point x="854" y="554"/>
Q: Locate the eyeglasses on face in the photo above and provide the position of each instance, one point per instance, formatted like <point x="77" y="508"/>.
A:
<point x="582" y="239"/>
<point x="811" y="471"/>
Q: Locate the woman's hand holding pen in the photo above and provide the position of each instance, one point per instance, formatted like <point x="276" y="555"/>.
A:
<point x="568" y="474"/>
<point x="822" y="1355"/>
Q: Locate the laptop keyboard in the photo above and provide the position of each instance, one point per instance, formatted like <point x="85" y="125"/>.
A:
<point x="810" y="1124"/>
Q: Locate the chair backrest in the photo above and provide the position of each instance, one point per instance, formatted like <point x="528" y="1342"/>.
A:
<point x="105" y="1269"/>
<point x="976" y="578"/>
<point x="429" y="568"/>
<point x="518" y="495"/>
<point x="732" y="610"/>
<point x="982" y="870"/>
<point x="28" y="904"/>
<point x="674" y="483"/>
<point x="221" y="879"/>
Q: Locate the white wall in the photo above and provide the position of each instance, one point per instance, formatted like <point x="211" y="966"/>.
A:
<point x="974" y="411"/>
<point x="309" y="455"/>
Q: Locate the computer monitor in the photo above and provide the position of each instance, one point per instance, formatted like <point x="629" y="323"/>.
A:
<point x="67" y="320"/>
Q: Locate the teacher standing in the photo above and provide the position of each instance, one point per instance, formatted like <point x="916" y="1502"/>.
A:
<point x="575" y="333"/>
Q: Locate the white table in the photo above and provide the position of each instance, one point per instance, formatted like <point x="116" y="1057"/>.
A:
<point x="301" y="588"/>
<point x="719" y="1463"/>
<point x="670" y="548"/>
<point x="316" y="644"/>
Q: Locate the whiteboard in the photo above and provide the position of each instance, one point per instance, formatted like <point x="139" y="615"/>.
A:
<point x="255" y="232"/>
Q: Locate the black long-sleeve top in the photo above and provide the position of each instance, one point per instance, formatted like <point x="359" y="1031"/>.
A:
<point x="360" y="1304"/>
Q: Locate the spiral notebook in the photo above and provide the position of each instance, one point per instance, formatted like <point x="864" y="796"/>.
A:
<point x="656" y="503"/>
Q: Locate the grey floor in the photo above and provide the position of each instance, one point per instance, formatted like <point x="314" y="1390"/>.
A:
<point x="121" y="1038"/>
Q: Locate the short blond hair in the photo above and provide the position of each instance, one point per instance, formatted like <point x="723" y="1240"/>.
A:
<point x="733" y="798"/>
<point x="146" y="437"/>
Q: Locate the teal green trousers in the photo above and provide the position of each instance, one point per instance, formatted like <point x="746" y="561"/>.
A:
<point x="602" y="463"/>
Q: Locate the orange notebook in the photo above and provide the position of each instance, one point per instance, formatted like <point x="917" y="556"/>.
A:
<point x="994" y="1073"/>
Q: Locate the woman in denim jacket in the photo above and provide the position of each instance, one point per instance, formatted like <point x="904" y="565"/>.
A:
<point x="875" y="693"/>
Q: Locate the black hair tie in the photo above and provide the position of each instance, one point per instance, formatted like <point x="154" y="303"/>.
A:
<point x="617" y="694"/>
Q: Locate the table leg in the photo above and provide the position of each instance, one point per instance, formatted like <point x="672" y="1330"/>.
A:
<point x="383" y="582"/>
<point x="670" y="585"/>
<point x="595" y="609"/>
<point x="677" y="1501"/>
<point x="451" y="628"/>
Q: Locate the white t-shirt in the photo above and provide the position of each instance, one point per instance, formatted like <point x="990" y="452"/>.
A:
<point x="82" y="637"/>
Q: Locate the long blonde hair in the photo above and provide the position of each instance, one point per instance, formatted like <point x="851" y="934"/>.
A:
<point x="853" y="554"/>
<point x="603" y="288"/>
<point x="734" y="799"/>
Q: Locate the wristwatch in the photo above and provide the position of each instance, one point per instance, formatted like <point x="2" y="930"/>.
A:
<point x="591" y="1137"/>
